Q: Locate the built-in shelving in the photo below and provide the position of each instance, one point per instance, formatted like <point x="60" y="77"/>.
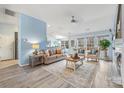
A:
<point x="80" y="42"/>
<point x="90" y="42"/>
<point x="72" y="43"/>
<point x="65" y="44"/>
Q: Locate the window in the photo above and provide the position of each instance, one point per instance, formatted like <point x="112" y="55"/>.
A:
<point x="80" y="42"/>
<point x="90" y="42"/>
<point x="64" y="44"/>
<point x="72" y="43"/>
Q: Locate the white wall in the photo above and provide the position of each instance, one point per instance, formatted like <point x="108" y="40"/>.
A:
<point x="7" y="41"/>
<point x="8" y="25"/>
<point x="6" y="19"/>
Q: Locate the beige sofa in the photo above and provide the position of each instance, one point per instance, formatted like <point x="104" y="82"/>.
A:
<point x="54" y="57"/>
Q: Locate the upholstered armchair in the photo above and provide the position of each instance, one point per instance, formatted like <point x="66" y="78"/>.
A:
<point x="93" y="54"/>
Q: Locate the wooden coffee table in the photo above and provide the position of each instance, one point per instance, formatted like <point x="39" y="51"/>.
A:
<point x="71" y="63"/>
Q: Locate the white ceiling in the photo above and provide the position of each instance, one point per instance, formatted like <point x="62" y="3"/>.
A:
<point x="90" y="17"/>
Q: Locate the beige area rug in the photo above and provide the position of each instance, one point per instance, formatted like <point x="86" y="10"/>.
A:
<point x="82" y="77"/>
<point x="4" y="64"/>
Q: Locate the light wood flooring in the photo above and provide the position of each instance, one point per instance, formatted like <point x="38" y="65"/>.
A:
<point x="90" y="75"/>
<point x="7" y="63"/>
<point x="103" y="76"/>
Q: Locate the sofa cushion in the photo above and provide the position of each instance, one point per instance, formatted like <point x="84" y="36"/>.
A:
<point x="51" y="57"/>
<point x="59" y="55"/>
<point x="91" y="56"/>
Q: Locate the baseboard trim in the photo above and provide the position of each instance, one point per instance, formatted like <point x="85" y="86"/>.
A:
<point x="23" y="65"/>
<point x="6" y="60"/>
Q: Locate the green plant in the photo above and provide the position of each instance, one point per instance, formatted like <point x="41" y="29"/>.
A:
<point x="104" y="44"/>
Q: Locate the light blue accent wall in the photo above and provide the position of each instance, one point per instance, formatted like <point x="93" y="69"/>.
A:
<point x="31" y="31"/>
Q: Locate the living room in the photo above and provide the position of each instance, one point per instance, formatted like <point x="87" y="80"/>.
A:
<point x="72" y="44"/>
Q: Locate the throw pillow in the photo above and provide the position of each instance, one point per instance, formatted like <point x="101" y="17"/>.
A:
<point x="90" y="52"/>
<point x="94" y="52"/>
<point x="82" y="51"/>
<point x="53" y="51"/>
<point x="58" y="51"/>
<point x="48" y="52"/>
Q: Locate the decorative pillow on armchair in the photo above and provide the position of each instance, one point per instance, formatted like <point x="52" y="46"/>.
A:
<point x="89" y="51"/>
<point x="94" y="51"/>
<point x="81" y="51"/>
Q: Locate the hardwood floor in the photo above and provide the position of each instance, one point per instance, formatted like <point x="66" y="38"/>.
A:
<point x="103" y="76"/>
<point x="55" y="75"/>
<point x="7" y="63"/>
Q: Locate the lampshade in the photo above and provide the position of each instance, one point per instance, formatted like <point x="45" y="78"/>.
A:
<point x="35" y="46"/>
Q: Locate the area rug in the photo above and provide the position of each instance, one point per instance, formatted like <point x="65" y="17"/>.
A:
<point x="82" y="77"/>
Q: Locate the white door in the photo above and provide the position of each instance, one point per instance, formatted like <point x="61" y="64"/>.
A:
<point x="6" y="47"/>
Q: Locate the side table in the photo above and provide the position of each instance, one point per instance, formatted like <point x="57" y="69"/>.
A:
<point x="35" y="59"/>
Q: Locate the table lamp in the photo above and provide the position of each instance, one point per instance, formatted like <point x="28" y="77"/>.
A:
<point x="35" y="46"/>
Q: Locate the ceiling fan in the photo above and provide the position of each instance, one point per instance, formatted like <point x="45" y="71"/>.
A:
<point x="73" y="20"/>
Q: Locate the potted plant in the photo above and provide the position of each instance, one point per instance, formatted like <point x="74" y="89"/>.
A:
<point x="104" y="44"/>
